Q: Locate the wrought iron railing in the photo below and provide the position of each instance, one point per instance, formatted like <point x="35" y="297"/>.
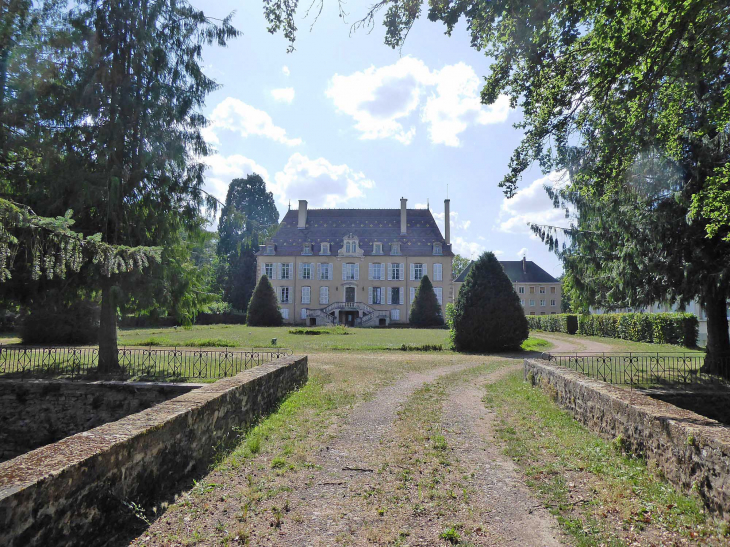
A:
<point x="142" y="363"/>
<point x="643" y="369"/>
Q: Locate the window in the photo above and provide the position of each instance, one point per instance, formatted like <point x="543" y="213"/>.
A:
<point x="284" y="313"/>
<point x="552" y="303"/>
<point x="284" y="298"/>
<point x="532" y="290"/>
<point x="324" y="295"/>
<point x="395" y="315"/>
<point x="306" y="295"/>
<point x="417" y="271"/>
<point x="269" y="250"/>
<point x="542" y="313"/>
<point x="325" y="272"/>
<point x="350" y="271"/>
<point x="395" y="295"/>
<point x="542" y="290"/>
<point x="269" y="270"/>
<point x="375" y="295"/>
<point x="532" y="313"/>
<point x="552" y="290"/>
<point x="324" y="249"/>
<point x="438" y="274"/>
<point x="521" y="290"/>
<point x="439" y="295"/>
<point x="542" y="303"/>
<point x="376" y="272"/>
<point x="307" y="250"/>
<point x="305" y="270"/>
<point x="522" y="302"/>
<point x="286" y="271"/>
<point x="437" y="250"/>
<point x="532" y="302"/>
<point x="396" y="272"/>
<point x="304" y="313"/>
<point x="348" y="247"/>
<point x="412" y="295"/>
<point x="377" y="248"/>
<point x="395" y="248"/>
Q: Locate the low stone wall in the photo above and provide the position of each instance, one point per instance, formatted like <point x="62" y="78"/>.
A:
<point x="78" y="491"/>
<point x="34" y="413"/>
<point x="693" y="452"/>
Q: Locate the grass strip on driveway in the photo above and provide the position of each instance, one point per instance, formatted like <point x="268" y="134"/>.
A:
<point x="598" y="495"/>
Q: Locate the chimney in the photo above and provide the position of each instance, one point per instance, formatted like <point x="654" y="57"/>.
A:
<point x="302" y="214"/>
<point x="447" y="221"/>
<point x="403" y="202"/>
<point x="524" y="264"/>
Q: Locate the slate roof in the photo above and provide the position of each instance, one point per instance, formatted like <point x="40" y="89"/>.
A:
<point x="369" y="225"/>
<point x="513" y="269"/>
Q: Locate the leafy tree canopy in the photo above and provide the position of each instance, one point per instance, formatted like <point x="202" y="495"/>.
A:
<point x="425" y="309"/>
<point x="263" y="310"/>
<point x="458" y="265"/>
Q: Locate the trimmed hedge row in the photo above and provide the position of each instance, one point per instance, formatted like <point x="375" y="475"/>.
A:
<point x="563" y="322"/>
<point x="659" y="328"/>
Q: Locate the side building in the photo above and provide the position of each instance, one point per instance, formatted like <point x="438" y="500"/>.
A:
<point x="358" y="267"/>
<point x="540" y="293"/>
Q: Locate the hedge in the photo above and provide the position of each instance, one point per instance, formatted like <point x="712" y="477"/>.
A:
<point x="658" y="328"/>
<point x="564" y="322"/>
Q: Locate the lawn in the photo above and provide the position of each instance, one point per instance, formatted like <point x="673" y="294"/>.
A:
<point x="624" y="346"/>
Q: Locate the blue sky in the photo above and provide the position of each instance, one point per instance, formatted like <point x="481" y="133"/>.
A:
<point x="345" y="121"/>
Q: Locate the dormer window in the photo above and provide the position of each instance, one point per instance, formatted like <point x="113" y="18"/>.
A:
<point x="307" y="249"/>
<point x="349" y="247"/>
<point x="437" y="249"/>
<point x="324" y="249"/>
<point x="395" y="248"/>
<point x="377" y="248"/>
<point x="269" y="250"/>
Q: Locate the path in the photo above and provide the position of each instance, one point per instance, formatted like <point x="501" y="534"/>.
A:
<point x="566" y="343"/>
<point x="361" y="490"/>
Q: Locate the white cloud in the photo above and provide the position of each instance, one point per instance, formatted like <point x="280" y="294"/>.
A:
<point x="383" y="101"/>
<point x="283" y="95"/>
<point x="285" y="70"/>
<point x="465" y="248"/>
<point x="498" y="253"/>
<point x="522" y="252"/>
<point x="235" y="115"/>
<point x="456" y="224"/>
<point x="222" y="170"/>
<point x="320" y="182"/>
<point x="532" y="205"/>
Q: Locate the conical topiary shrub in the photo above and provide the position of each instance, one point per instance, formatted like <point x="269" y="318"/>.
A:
<point x="488" y="315"/>
<point x="263" y="308"/>
<point x="425" y="309"/>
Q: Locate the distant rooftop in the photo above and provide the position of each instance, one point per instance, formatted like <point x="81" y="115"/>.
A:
<point x="518" y="271"/>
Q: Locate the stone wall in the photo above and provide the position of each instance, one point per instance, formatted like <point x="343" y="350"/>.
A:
<point x="78" y="491"/>
<point x="36" y="413"/>
<point x="692" y="452"/>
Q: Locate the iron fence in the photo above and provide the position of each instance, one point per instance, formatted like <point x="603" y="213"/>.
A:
<point x="142" y="363"/>
<point x="643" y="369"/>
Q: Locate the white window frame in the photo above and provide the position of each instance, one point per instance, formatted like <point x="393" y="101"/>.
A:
<point x="269" y="266"/>
<point x="522" y="302"/>
<point x="542" y="302"/>
<point x="324" y="248"/>
<point x="285" y="270"/>
<point x="415" y="267"/>
<point x="372" y="296"/>
<point x="350" y="271"/>
<point x="306" y="271"/>
<point x="284" y="313"/>
<point x="438" y="272"/>
<point x="521" y="290"/>
<point x="306" y="295"/>
<point x="553" y="302"/>
<point x="395" y="249"/>
<point x="438" y="249"/>
<point x="396" y="268"/>
<point x="439" y="295"/>
<point x="532" y="302"/>
<point x="377" y="248"/>
<point x="542" y="290"/>
<point x="395" y="314"/>
<point x="324" y="295"/>
<point x="412" y="296"/>
<point x="288" y="295"/>
<point x="269" y="250"/>
<point x="307" y="250"/>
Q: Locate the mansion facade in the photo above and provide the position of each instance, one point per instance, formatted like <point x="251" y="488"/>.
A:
<point x="358" y="267"/>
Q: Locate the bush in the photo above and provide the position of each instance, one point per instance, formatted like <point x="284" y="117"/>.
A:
<point x="77" y="323"/>
<point x="563" y="322"/>
<point x="487" y="315"/>
<point x="263" y="309"/>
<point x="658" y="328"/>
<point x="425" y="310"/>
<point x="423" y="347"/>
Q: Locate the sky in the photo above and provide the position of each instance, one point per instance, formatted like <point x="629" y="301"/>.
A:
<point x="344" y="121"/>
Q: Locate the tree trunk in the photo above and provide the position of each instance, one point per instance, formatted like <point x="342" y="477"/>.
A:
<point x="108" y="354"/>
<point x="717" y="360"/>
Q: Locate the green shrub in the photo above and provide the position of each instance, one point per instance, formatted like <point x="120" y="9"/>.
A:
<point x="564" y="322"/>
<point x="57" y="323"/>
<point x="263" y="309"/>
<point x="339" y="330"/>
<point x="658" y="328"/>
<point x="425" y="310"/>
<point x="487" y="315"/>
<point x="423" y="347"/>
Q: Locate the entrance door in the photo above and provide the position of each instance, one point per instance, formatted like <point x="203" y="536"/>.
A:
<point x="350" y="294"/>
